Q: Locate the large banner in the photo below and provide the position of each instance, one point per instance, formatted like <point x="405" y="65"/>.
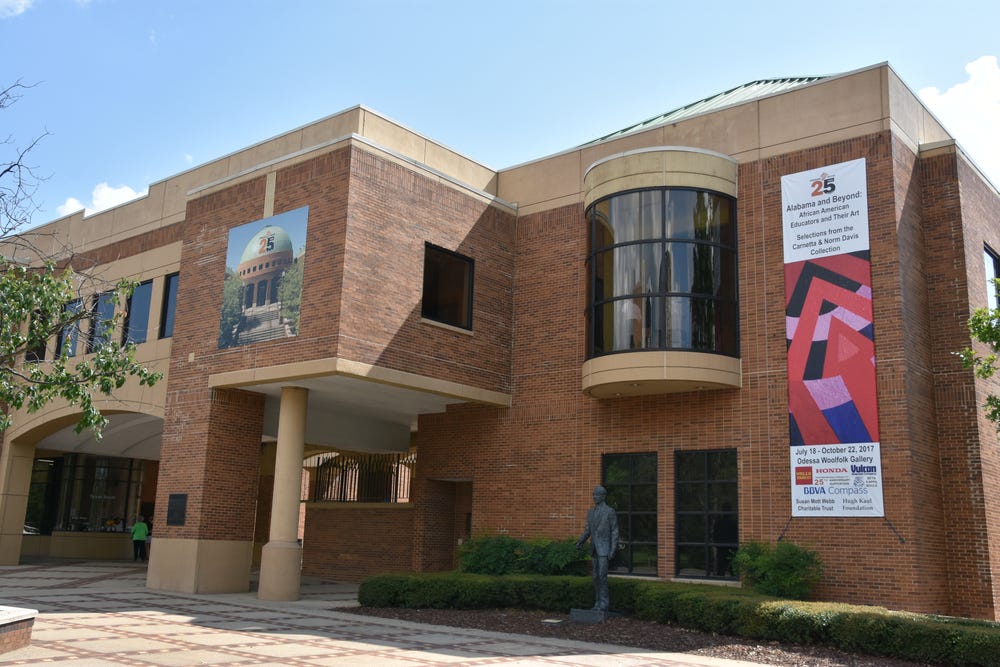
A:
<point x="836" y="461"/>
<point x="262" y="288"/>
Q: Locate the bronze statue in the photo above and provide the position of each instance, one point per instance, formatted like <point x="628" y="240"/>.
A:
<point x="602" y="529"/>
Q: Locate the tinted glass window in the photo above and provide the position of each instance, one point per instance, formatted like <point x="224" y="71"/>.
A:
<point x="992" y="262"/>
<point x="706" y="513"/>
<point x="630" y="480"/>
<point x="169" y="305"/>
<point x="662" y="273"/>
<point x="136" y="325"/>
<point x="447" y="293"/>
<point x="66" y="343"/>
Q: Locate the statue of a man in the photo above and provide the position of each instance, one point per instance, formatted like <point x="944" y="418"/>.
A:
<point x="602" y="529"/>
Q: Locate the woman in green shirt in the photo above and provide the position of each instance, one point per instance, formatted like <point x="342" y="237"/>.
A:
<point x="139" y="532"/>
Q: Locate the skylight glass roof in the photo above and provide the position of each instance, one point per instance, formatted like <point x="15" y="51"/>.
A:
<point x="745" y="93"/>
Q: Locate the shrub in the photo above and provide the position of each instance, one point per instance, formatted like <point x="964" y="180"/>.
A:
<point x="874" y="630"/>
<point x="786" y="570"/>
<point x="559" y="557"/>
<point x="502" y="554"/>
<point x="495" y="554"/>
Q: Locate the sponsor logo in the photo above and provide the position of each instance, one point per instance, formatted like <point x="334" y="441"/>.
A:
<point x="803" y="475"/>
<point x="823" y="185"/>
<point x="863" y="470"/>
<point x="831" y="470"/>
<point x="814" y="490"/>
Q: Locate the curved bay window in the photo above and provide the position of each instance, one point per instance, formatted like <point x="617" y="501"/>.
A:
<point x="662" y="272"/>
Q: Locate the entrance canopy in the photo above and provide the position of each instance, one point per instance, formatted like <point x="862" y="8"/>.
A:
<point x="355" y="406"/>
<point x="130" y="435"/>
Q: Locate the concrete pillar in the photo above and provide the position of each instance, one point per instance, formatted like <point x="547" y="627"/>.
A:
<point x="16" y="461"/>
<point x="281" y="557"/>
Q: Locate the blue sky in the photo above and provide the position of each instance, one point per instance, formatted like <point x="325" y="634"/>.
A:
<point x="134" y="91"/>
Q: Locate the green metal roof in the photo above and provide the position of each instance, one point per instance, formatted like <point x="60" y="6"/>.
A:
<point x="745" y="93"/>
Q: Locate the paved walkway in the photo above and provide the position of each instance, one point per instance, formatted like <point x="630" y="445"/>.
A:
<point x="101" y="613"/>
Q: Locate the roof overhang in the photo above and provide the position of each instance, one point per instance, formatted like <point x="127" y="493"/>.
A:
<point x="353" y="405"/>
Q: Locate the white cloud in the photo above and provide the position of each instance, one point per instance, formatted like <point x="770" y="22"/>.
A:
<point x="102" y="198"/>
<point x="970" y="110"/>
<point x="71" y="205"/>
<point x="10" y="8"/>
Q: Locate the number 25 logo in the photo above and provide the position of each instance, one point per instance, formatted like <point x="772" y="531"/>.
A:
<point x="823" y="186"/>
<point x="266" y="245"/>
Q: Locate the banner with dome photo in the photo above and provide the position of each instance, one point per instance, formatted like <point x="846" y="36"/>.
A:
<point x="263" y="283"/>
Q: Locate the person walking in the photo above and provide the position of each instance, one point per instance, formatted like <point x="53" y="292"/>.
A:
<point x="139" y="533"/>
<point x="602" y="529"/>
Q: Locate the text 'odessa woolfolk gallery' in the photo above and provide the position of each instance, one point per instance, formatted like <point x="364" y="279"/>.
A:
<point x="739" y="317"/>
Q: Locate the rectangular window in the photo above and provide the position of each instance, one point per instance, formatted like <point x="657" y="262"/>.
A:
<point x="168" y="307"/>
<point x="66" y="343"/>
<point x="101" y="321"/>
<point x="36" y="343"/>
<point x="707" y="516"/>
<point x="447" y="296"/>
<point x="630" y="480"/>
<point x="136" y="324"/>
<point x="97" y="493"/>
<point x="992" y="262"/>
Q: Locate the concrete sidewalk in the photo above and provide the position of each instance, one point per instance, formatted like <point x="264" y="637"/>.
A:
<point x="100" y="613"/>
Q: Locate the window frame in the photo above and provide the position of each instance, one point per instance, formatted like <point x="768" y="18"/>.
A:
<point x="707" y="482"/>
<point x="102" y="313"/>
<point x="719" y="305"/>
<point x="129" y="319"/>
<point x="71" y="331"/>
<point x="168" y="304"/>
<point x="469" y="279"/>
<point x="34" y="354"/>
<point x="991" y="261"/>
<point x="624" y="560"/>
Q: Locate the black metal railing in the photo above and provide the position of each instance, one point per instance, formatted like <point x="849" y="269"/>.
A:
<point x="364" y="478"/>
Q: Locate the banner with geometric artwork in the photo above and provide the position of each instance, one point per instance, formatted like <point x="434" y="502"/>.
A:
<point x="835" y="452"/>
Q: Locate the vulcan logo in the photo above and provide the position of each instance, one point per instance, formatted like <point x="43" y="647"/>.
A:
<point x="803" y="475"/>
<point x="863" y="470"/>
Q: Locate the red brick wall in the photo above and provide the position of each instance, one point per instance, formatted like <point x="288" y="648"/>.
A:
<point x="393" y="212"/>
<point x="434" y="538"/>
<point x="368" y="221"/>
<point x="15" y="635"/>
<point x="211" y="452"/>
<point x="532" y="466"/>
<point x="350" y="543"/>
<point x="971" y="461"/>
<point x="917" y="307"/>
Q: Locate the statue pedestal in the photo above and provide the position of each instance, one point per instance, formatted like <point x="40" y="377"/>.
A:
<point x="591" y="615"/>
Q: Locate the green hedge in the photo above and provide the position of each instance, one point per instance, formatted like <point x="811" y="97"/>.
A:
<point x="719" y="609"/>
<point x="502" y="554"/>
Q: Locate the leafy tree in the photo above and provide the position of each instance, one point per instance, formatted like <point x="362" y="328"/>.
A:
<point x="290" y="293"/>
<point x="232" y="301"/>
<point x="46" y="296"/>
<point x="984" y="327"/>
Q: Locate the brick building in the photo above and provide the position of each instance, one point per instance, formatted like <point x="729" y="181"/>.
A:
<point x="738" y="316"/>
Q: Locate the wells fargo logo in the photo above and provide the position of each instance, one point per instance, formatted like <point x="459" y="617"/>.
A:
<point x="803" y="475"/>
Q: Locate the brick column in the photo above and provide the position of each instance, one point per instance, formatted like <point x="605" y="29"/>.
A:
<point x="210" y="460"/>
<point x="281" y="558"/>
